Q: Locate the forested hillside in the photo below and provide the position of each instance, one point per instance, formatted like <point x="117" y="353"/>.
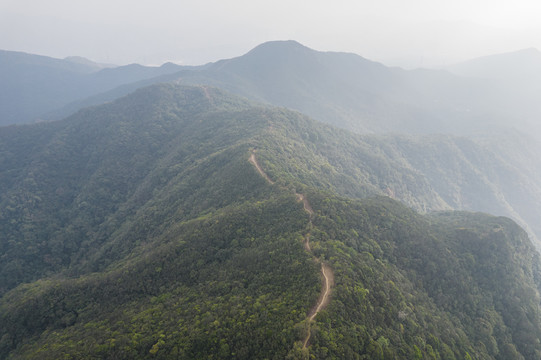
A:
<point x="474" y="173"/>
<point x="495" y="174"/>
<point x="140" y="229"/>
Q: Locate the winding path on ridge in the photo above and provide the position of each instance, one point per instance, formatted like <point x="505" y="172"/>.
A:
<point x="253" y="160"/>
<point x="326" y="271"/>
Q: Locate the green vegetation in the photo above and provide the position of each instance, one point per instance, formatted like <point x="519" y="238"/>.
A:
<point x="345" y="90"/>
<point x="229" y="285"/>
<point x="93" y="180"/>
<point x="436" y="287"/>
<point x="139" y="229"/>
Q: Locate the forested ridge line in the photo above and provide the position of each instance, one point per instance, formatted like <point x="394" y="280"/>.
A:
<point x="253" y="160"/>
<point x="326" y="271"/>
<point x="149" y="205"/>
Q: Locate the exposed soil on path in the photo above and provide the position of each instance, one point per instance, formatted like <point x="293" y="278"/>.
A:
<point x="328" y="282"/>
<point x="326" y="271"/>
<point x="324" y="298"/>
<point x="259" y="169"/>
<point x="307" y="243"/>
<point x="306" y="204"/>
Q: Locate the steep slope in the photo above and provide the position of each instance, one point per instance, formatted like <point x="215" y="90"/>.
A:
<point x="82" y="173"/>
<point x="427" y="173"/>
<point x="460" y="249"/>
<point x="155" y="172"/>
<point x="76" y="178"/>
<point x="349" y="91"/>
<point x="496" y="174"/>
<point x="355" y="93"/>
<point x="141" y="229"/>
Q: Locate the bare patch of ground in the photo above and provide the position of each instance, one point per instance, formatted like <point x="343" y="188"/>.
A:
<point x="326" y="271"/>
<point x="253" y="160"/>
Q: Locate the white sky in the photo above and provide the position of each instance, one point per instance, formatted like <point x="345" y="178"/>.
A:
<point x="407" y="33"/>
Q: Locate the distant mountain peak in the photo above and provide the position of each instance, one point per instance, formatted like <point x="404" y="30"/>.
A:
<point x="280" y="44"/>
<point x="279" y="48"/>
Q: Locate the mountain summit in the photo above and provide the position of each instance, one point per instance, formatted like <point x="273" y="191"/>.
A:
<point x="342" y="89"/>
<point x="185" y="222"/>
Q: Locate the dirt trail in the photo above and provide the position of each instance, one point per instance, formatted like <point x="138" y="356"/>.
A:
<point x="306" y="204"/>
<point x="323" y="301"/>
<point x="307" y="243"/>
<point x="256" y="164"/>
<point x="326" y="271"/>
<point x="207" y="95"/>
<point x="328" y="282"/>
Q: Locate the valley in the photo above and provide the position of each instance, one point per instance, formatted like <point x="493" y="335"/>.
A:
<point x="179" y="220"/>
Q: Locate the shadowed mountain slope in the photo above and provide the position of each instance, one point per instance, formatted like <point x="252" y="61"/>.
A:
<point x="140" y="228"/>
<point x="32" y="86"/>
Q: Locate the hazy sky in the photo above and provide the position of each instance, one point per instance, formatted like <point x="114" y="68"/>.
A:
<point x="407" y="33"/>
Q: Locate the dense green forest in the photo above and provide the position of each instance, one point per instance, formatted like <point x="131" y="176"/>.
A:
<point x="139" y="229"/>
<point x="473" y="173"/>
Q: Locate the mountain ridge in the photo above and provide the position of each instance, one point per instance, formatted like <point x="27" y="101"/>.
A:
<point x="342" y="89"/>
<point x="150" y="204"/>
<point x="33" y="85"/>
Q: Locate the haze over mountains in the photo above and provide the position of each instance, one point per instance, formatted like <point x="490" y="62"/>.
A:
<point x="32" y="85"/>
<point x="348" y="91"/>
<point x="342" y="89"/>
<point x="148" y="204"/>
<point x="520" y="65"/>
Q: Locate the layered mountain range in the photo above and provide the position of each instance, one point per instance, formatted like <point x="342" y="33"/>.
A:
<point x="32" y="86"/>
<point x="348" y="91"/>
<point x="341" y="89"/>
<point x="184" y="221"/>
